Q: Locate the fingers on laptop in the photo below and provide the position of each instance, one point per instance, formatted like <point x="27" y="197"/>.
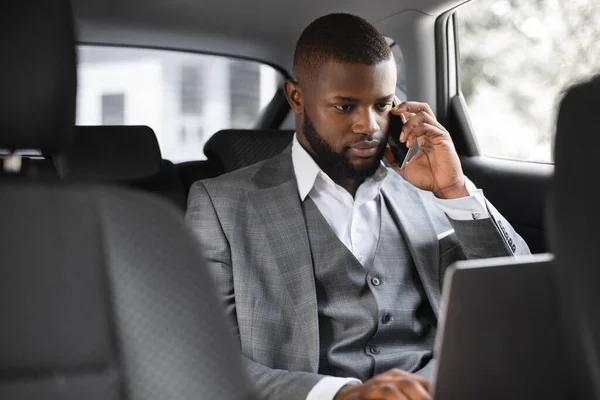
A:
<point x="391" y="385"/>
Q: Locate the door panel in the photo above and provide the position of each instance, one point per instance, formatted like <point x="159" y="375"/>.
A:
<point x="517" y="190"/>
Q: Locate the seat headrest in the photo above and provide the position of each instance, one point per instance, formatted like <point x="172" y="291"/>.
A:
<point x="577" y="159"/>
<point x="574" y="215"/>
<point x="113" y="153"/>
<point x="238" y="148"/>
<point x="38" y="75"/>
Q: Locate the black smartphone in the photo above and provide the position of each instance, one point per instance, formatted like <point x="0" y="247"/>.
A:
<point x="399" y="150"/>
<point x="401" y="153"/>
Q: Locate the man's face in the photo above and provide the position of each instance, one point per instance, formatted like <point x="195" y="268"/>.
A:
<point x="345" y="116"/>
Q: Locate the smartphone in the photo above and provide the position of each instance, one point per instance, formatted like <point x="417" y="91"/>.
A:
<point x="399" y="150"/>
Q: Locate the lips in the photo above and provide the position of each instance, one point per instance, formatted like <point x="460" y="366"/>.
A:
<point x="365" y="149"/>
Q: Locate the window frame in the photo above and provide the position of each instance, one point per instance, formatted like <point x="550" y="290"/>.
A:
<point x="452" y="107"/>
<point x="273" y="112"/>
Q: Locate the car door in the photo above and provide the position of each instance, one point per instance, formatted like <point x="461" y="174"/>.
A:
<point x="502" y="67"/>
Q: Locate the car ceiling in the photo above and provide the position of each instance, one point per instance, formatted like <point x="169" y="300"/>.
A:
<point x="261" y="29"/>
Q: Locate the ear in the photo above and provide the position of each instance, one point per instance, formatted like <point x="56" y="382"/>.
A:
<point x="294" y="96"/>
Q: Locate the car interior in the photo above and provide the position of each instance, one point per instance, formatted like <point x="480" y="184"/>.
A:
<point x="103" y="293"/>
<point x="192" y="26"/>
<point x="268" y="34"/>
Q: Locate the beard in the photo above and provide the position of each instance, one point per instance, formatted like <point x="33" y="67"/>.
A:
<point x="334" y="163"/>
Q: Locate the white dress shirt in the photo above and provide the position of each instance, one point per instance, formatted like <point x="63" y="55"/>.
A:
<point x="356" y="222"/>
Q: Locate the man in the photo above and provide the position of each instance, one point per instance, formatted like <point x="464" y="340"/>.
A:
<point x="329" y="263"/>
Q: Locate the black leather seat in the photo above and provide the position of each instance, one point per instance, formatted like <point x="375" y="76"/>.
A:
<point x="237" y="148"/>
<point x="192" y="171"/>
<point x="232" y="149"/>
<point x="574" y="221"/>
<point x="103" y="291"/>
<point x="128" y="155"/>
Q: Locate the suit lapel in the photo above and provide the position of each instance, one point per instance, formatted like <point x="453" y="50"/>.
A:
<point x="406" y="207"/>
<point x="277" y="206"/>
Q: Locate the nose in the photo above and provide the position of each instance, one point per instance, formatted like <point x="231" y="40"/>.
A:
<point x="366" y="122"/>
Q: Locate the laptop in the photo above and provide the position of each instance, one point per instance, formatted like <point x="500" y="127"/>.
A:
<point x="500" y="333"/>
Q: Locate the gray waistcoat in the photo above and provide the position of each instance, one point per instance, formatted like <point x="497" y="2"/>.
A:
<point x="369" y="321"/>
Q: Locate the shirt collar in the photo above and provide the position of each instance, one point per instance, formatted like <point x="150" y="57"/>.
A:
<point x="307" y="171"/>
<point x="305" y="168"/>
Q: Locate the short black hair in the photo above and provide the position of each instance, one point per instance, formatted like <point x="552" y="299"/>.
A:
<point x="339" y="37"/>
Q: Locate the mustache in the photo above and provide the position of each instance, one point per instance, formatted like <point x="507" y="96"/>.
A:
<point x="369" y="139"/>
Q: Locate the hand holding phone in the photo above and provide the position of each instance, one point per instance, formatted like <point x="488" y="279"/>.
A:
<point x="435" y="168"/>
<point x="399" y="150"/>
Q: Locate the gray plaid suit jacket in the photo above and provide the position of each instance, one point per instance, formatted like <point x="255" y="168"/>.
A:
<point x="253" y="233"/>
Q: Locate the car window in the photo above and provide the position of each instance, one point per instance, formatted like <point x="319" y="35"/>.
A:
<point x="516" y="59"/>
<point x="184" y="97"/>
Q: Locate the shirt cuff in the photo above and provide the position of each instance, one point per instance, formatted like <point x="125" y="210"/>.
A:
<point x="328" y="387"/>
<point x="465" y="208"/>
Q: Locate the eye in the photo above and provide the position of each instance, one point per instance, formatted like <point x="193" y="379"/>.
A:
<point x="382" y="106"/>
<point x="344" y="108"/>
